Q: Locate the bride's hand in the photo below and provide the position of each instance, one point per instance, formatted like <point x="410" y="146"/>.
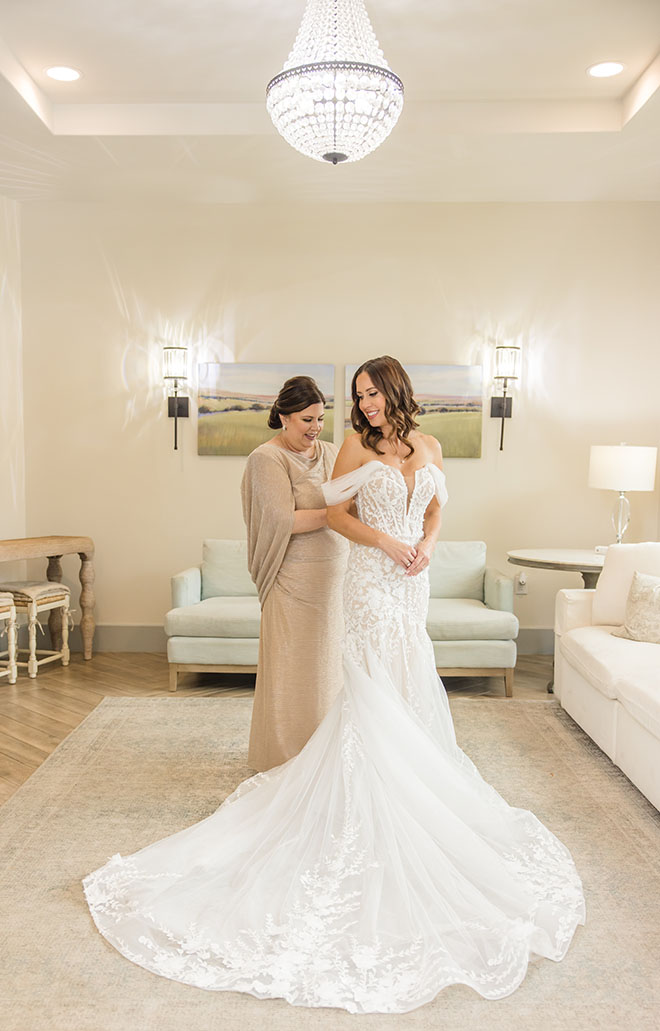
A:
<point x="403" y="554"/>
<point x="422" y="558"/>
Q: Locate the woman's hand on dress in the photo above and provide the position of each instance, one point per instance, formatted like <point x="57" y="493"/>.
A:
<point x="422" y="558"/>
<point x="403" y="554"/>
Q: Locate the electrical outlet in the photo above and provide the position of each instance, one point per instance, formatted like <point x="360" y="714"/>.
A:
<point x="521" y="583"/>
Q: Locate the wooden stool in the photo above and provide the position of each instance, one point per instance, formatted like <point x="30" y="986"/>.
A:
<point x="33" y="597"/>
<point x="8" y="615"/>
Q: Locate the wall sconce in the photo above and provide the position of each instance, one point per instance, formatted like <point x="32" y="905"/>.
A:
<point x="622" y="468"/>
<point x="507" y="368"/>
<point x="175" y="370"/>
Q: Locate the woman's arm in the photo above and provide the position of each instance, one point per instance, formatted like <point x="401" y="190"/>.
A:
<point x="307" y="519"/>
<point x="344" y="522"/>
<point x="432" y="516"/>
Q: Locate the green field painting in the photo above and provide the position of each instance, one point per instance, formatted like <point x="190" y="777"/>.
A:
<point x="234" y="402"/>
<point x="450" y="399"/>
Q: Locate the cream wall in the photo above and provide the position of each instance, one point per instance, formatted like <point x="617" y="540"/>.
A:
<point x="12" y="448"/>
<point x="104" y="288"/>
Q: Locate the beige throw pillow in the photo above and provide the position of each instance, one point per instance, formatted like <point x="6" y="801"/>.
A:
<point x="642" y="620"/>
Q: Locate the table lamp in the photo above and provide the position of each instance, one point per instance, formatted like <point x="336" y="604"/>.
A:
<point x="622" y="468"/>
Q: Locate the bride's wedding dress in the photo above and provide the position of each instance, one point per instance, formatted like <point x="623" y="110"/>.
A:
<point x="376" y="867"/>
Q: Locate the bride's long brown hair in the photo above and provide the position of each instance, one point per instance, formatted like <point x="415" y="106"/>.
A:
<point x="392" y="380"/>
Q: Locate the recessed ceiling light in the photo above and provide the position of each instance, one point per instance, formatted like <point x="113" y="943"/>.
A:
<point x="605" y="69"/>
<point x="63" y="74"/>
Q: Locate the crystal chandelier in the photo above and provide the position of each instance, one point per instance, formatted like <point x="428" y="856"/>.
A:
<point x="336" y="98"/>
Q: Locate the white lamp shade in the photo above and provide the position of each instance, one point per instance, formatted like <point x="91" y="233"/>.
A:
<point x="175" y="363"/>
<point x="507" y="362"/>
<point x="622" y="468"/>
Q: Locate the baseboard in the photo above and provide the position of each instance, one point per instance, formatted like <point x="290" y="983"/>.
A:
<point x="119" y="639"/>
<point x="531" y="640"/>
<point x="536" y="640"/>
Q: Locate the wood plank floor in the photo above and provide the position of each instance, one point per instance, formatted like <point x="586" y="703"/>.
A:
<point x="35" y="715"/>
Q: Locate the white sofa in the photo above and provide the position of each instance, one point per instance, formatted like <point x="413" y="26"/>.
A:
<point x="610" y="685"/>
<point x="213" y="625"/>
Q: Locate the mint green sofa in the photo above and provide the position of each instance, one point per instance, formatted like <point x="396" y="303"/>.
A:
<point x="213" y="625"/>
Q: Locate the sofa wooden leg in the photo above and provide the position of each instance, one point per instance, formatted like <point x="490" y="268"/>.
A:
<point x="173" y="677"/>
<point x="508" y="683"/>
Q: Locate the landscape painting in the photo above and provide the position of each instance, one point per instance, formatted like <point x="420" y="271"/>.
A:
<point x="450" y="399"/>
<point x="234" y="402"/>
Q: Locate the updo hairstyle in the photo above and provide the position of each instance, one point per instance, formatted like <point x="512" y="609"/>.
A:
<point x="297" y="393"/>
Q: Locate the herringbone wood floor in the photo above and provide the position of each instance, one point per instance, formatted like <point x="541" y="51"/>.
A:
<point x="35" y="715"/>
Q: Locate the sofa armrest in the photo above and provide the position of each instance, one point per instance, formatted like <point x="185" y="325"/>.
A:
<point x="498" y="590"/>
<point x="187" y="587"/>
<point x="572" y="609"/>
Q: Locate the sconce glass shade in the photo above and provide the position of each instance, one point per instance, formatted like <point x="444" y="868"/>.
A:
<point x="622" y="468"/>
<point x="175" y="363"/>
<point x="507" y="362"/>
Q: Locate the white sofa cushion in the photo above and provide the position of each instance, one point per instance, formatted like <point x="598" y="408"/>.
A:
<point x="457" y="570"/>
<point x="639" y="694"/>
<point x="611" y="663"/>
<point x="215" y="617"/>
<point x="603" y="659"/>
<point x="464" y="619"/>
<point x="612" y="589"/>
<point x="225" y="570"/>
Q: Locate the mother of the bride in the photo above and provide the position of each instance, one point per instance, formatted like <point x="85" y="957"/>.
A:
<point x="297" y="564"/>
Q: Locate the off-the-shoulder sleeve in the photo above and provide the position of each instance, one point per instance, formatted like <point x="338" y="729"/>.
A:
<point x="347" y="486"/>
<point x="268" y="510"/>
<point x="440" y="484"/>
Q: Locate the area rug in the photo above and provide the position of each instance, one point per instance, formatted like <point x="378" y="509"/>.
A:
<point x="138" y="769"/>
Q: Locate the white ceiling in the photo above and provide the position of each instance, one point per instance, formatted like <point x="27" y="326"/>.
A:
<point x="171" y="104"/>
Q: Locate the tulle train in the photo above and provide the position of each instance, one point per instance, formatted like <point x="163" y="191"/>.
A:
<point x="368" y="873"/>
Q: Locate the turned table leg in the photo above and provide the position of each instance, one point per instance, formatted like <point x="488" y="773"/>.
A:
<point x="33" y="668"/>
<point x="54" y="573"/>
<point x="87" y="604"/>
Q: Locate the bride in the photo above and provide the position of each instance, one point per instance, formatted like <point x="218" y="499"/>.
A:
<point x="376" y="867"/>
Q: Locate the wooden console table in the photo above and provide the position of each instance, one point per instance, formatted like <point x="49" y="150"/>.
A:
<point x="53" y="548"/>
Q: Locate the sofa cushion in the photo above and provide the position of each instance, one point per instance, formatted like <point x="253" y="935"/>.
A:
<point x="213" y="651"/>
<point x="639" y="694"/>
<point x="642" y="621"/>
<point x="457" y="570"/>
<point x="215" y="617"/>
<point x="225" y="570"/>
<point x="465" y="619"/>
<point x="621" y="561"/>
<point x="474" y="654"/>
<point x="607" y="661"/>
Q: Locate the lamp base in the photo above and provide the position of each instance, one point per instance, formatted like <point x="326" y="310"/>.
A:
<point x="621" y="516"/>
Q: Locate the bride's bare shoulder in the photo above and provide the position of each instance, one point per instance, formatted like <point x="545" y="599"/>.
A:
<point x="352" y="455"/>
<point x="430" y="446"/>
<point x="355" y="449"/>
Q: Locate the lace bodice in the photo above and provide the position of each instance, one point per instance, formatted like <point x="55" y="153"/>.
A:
<point x="385" y="503"/>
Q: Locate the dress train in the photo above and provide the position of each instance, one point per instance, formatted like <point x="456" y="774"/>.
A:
<point x="373" y="869"/>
